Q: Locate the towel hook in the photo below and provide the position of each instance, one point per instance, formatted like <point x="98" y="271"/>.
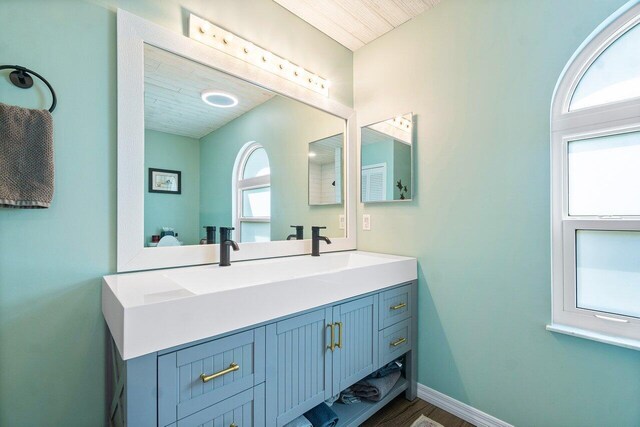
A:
<point x="21" y="78"/>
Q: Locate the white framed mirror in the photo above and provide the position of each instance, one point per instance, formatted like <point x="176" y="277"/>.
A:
<point x="386" y="160"/>
<point x="206" y="141"/>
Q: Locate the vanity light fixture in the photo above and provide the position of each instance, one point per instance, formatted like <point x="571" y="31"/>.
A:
<point x="312" y="154"/>
<point x="214" y="36"/>
<point x="219" y="99"/>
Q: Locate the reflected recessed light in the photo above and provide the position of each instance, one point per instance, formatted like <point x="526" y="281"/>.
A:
<point x="219" y="99"/>
<point x="312" y="154"/>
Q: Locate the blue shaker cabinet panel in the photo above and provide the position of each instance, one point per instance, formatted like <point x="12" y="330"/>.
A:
<point x="245" y="409"/>
<point x="298" y="373"/>
<point x="182" y="391"/>
<point x="356" y="339"/>
<point x="395" y="306"/>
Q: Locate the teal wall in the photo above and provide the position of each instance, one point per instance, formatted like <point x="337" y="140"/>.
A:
<point x="52" y="334"/>
<point x="179" y="211"/>
<point x="480" y="76"/>
<point x="284" y="128"/>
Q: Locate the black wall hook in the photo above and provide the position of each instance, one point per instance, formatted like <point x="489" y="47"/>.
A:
<point x="22" y="79"/>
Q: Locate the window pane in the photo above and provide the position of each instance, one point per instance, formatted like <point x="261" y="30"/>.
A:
<point x="614" y="75"/>
<point x="608" y="271"/>
<point x="256" y="231"/>
<point x="604" y="175"/>
<point x="257" y="164"/>
<point x="256" y="202"/>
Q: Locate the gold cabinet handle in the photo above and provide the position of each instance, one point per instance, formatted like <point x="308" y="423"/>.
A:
<point x="398" y="342"/>
<point x="399" y="306"/>
<point x="232" y="368"/>
<point x="233" y="425"/>
<point x="332" y="346"/>
<point x="339" y="345"/>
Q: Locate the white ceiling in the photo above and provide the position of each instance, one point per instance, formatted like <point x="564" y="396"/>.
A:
<point x="354" y="23"/>
<point x="172" y="89"/>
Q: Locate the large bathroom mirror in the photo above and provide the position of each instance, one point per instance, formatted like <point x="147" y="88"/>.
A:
<point x="386" y="162"/>
<point x="223" y="144"/>
<point x="325" y="171"/>
<point x="240" y="153"/>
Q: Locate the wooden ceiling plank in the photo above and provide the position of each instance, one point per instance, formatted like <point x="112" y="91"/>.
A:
<point x="389" y="10"/>
<point x="322" y="23"/>
<point x="368" y="16"/>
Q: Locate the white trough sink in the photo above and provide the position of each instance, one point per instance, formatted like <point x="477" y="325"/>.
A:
<point x="155" y="310"/>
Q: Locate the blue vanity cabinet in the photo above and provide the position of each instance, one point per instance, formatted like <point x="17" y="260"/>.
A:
<point x="270" y="374"/>
<point x="355" y="354"/>
<point x="298" y="373"/>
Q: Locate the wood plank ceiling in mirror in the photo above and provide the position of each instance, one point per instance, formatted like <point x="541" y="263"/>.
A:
<point x="172" y="95"/>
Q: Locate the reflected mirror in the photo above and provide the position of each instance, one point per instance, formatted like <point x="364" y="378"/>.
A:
<point x="386" y="164"/>
<point x="325" y="171"/>
<point x="222" y="152"/>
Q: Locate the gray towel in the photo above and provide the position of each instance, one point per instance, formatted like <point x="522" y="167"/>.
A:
<point x="26" y="158"/>
<point x="375" y="388"/>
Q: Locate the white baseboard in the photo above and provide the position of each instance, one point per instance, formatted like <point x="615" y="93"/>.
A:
<point x="459" y="409"/>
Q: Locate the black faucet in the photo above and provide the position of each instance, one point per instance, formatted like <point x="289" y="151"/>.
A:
<point x="211" y="235"/>
<point x="225" y="242"/>
<point x="315" y="240"/>
<point x="299" y="233"/>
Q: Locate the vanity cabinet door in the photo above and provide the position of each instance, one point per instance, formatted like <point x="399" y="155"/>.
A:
<point x="356" y="338"/>
<point x="298" y="365"/>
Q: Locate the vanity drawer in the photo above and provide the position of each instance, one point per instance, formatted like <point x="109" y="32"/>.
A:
<point x="197" y="377"/>
<point x="395" y="306"/>
<point x="245" y="409"/>
<point x="394" y="341"/>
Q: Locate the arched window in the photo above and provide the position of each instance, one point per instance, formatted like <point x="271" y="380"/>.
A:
<point x="595" y="156"/>
<point x="252" y="192"/>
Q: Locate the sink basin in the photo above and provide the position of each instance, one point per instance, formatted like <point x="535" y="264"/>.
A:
<point x="154" y="310"/>
<point x="243" y="274"/>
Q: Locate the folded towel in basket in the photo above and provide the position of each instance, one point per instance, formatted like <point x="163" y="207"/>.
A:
<point x="375" y="388"/>
<point x="26" y="158"/>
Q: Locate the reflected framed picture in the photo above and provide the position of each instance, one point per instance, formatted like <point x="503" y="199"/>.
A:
<point x="164" y="181"/>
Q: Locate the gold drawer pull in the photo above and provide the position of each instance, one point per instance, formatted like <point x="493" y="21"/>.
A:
<point x="232" y="368"/>
<point x="399" y="306"/>
<point x="398" y="342"/>
<point x="233" y="425"/>
<point x="332" y="346"/>
<point x="339" y="345"/>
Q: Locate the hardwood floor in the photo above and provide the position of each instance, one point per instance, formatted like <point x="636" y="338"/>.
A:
<point x="401" y="413"/>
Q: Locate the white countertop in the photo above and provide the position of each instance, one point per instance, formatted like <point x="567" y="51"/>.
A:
<point x="153" y="310"/>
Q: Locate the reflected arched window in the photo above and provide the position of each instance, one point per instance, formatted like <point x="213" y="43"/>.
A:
<point x="252" y="187"/>
<point x="595" y="165"/>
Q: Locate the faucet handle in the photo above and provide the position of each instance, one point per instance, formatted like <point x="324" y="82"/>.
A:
<point x="318" y="227"/>
<point x="227" y="228"/>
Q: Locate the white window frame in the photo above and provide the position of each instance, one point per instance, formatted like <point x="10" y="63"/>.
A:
<point x="566" y="126"/>
<point x="239" y="184"/>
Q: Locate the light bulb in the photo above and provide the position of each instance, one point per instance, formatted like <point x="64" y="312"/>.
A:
<point x="228" y="38"/>
<point x="205" y="28"/>
<point x="284" y="65"/>
<point x="248" y="48"/>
